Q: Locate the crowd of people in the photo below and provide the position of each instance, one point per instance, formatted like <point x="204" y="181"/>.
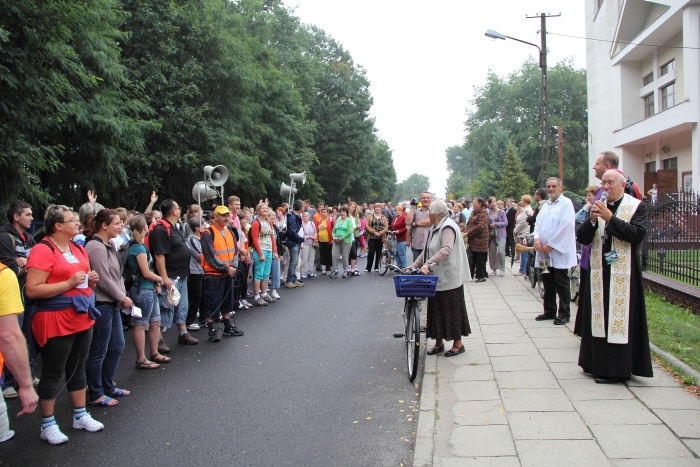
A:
<point x="99" y="272"/>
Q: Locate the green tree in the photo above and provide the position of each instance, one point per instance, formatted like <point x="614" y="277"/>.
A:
<point x="412" y="187"/>
<point x="513" y="182"/>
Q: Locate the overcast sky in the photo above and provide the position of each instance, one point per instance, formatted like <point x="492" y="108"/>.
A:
<point x="423" y="60"/>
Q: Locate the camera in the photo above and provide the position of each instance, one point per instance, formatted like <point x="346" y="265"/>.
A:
<point x="414" y="202"/>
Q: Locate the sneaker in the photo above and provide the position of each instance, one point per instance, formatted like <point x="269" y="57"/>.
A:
<point x="7" y="436"/>
<point x="214" y="336"/>
<point x="275" y="295"/>
<point x="186" y="339"/>
<point x="260" y="302"/>
<point x="493" y="273"/>
<point x="87" y="423"/>
<point x="311" y="274"/>
<point x="35" y="382"/>
<point x="290" y="285"/>
<point x="193" y="327"/>
<point x="53" y="435"/>
<point x="344" y="275"/>
<point x="163" y="347"/>
<point x="323" y="273"/>
<point x="234" y="331"/>
<point x="268" y="299"/>
<point x="334" y="274"/>
<point x="500" y="273"/>
<point x="303" y="276"/>
<point x="299" y="283"/>
<point x="10" y="393"/>
<point x="246" y="303"/>
<point x="249" y="293"/>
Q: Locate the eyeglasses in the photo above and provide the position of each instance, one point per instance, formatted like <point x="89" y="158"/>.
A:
<point x="75" y="221"/>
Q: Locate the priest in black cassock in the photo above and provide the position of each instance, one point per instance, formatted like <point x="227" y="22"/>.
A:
<point x="614" y="334"/>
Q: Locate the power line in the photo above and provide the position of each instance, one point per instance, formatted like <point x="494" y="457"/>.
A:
<point x="624" y="42"/>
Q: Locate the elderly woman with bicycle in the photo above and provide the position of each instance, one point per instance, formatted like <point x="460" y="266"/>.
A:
<point x="444" y="256"/>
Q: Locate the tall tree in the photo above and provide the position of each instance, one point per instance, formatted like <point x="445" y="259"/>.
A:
<point x="513" y="182"/>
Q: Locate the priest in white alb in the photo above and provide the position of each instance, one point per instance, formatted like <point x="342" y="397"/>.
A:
<point x="614" y="334"/>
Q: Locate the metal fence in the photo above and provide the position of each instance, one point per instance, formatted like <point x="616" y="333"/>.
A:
<point x="672" y="246"/>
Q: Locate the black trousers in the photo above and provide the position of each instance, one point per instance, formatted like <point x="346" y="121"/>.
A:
<point x="510" y="244"/>
<point x="194" y="293"/>
<point x="64" y="356"/>
<point x="480" y="264"/>
<point x="374" y="253"/>
<point x="556" y="282"/>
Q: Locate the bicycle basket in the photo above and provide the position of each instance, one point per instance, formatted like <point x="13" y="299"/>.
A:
<point x="415" y="286"/>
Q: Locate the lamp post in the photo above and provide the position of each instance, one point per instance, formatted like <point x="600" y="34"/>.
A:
<point x="543" y="90"/>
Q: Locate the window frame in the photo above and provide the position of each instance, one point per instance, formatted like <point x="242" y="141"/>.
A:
<point x="648" y="79"/>
<point x="667" y="67"/>
<point x="649" y="107"/>
<point x="666" y="97"/>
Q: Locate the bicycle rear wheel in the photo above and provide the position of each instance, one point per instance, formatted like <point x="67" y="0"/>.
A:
<point x="574" y="282"/>
<point x="532" y="273"/>
<point x="384" y="262"/>
<point x="412" y="340"/>
<point x="540" y="284"/>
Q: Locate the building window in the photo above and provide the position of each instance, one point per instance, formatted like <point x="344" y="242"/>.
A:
<point x="648" y="105"/>
<point x="650" y="167"/>
<point x="648" y="79"/>
<point x="670" y="66"/>
<point x="671" y="163"/>
<point x="668" y="96"/>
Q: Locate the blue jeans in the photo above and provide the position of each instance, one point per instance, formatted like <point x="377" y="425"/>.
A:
<point x="147" y="300"/>
<point x="523" y="262"/>
<point x="401" y="260"/>
<point x="275" y="272"/>
<point x="105" y="352"/>
<point x="293" y="261"/>
<point x="179" y="314"/>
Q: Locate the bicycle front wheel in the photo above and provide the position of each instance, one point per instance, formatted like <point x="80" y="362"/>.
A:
<point x="384" y="263"/>
<point x="574" y="281"/>
<point x="540" y="284"/>
<point x="412" y="340"/>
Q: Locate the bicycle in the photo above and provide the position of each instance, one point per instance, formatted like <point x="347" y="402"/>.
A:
<point x="534" y="273"/>
<point x="574" y="277"/>
<point x="388" y="256"/>
<point x="412" y="287"/>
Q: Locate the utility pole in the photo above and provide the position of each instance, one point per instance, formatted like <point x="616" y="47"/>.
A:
<point x="560" y="149"/>
<point x="544" y="130"/>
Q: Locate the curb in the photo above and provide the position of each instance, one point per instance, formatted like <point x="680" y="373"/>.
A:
<point x="423" y="448"/>
<point x="675" y="362"/>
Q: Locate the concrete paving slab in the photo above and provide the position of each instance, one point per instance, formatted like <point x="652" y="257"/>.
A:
<point x="560" y="355"/>
<point x="666" y="398"/>
<point x="661" y="378"/>
<point x="503" y="350"/>
<point x="639" y="442"/>
<point x="479" y="462"/>
<point x="564" y="371"/>
<point x="476" y="391"/>
<point x="571" y="453"/>
<point x="519" y="363"/>
<point x="507" y="338"/>
<point x="622" y="412"/>
<point x="586" y="390"/>
<point x="694" y="445"/>
<point x="558" y="342"/>
<point x="526" y="380"/>
<point x="535" y="400"/>
<point x="491" y="329"/>
<point x="548" y="425"/>
<point x="546" y="332"/>
<point x="501" y="319"/>
<point x="482" y="441"/>
<point x="684" y="423"/>
<point x="479" y="413"/>
<point x="473" y="373"/>
<point x="656" y="462"/>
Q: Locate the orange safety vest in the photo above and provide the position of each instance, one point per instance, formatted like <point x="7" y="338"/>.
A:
<point x="224" y="249"/>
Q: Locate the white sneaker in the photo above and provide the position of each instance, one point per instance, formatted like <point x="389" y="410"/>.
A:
<point x="53" y="435"/>
<point x="10" y="393"/>
<point x="7" y="436"/>
<point x="87" y="423"/>
<point x="193" y="327"/>
<point x="500" y="273"/>
<point x="275" y="295"/>
<point x="246" y="303"/>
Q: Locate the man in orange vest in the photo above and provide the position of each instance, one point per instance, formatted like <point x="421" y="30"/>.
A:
<point x="219" y="262"/>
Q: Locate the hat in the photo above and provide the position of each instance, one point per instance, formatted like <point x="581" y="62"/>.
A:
<point x="221" y="210"/>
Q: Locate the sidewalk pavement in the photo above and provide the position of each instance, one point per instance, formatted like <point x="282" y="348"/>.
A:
<point x="518" y="397"/>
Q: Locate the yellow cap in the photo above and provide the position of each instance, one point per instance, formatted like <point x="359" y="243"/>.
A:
<point x="221" y="210"/>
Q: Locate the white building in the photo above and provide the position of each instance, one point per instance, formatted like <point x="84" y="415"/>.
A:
<point x="643" y="61"/>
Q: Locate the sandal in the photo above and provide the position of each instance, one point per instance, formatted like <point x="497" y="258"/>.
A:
<point x="118" y="392"/>
<point x="158" y="358"/>
<point x="106" y="402"/>
<point x="146" y="364"/>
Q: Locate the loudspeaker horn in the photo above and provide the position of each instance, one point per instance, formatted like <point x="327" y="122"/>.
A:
<point x="202" y="191"/>
<point x="286" y="190"/>
<point x="217" y="176"/>
<point x="299" y="177"/>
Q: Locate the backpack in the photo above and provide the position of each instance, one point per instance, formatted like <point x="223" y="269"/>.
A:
<point x="632" y="189"/>
<point x="164" y="223"/>
<point x="123" y="255"/>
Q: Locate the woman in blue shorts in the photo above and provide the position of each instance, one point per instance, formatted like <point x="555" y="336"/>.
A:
<point x="143" y="293"/>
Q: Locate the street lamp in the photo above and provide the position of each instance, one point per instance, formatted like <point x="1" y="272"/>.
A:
<point x="543" y="92"/>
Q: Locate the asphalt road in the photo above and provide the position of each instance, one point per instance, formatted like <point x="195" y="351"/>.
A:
<point x="317" y="379"/>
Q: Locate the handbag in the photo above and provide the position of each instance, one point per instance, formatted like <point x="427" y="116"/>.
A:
<point x="528" y="240"/>
<point x="493" y="234"/>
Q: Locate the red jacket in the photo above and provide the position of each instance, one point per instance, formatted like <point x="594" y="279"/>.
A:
<point x="398" y="226"/>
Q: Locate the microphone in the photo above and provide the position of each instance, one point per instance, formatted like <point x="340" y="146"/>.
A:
<point x="604" y="197"/>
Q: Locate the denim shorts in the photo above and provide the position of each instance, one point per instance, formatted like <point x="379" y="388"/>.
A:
<point x="147" y="300"/>
<point x="178" y="314"/>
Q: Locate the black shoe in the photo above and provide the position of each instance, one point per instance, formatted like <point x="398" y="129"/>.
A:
<point x="481" y="280"/>
<point x="214" y="336"/>
<point x="560" y="321"/>
<point x="451" y="353"/>
<point x="435" y="350"/>
<point x="234" y="331"/>
<point x="607" y="380"/>
<point x="544" y="317"/>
